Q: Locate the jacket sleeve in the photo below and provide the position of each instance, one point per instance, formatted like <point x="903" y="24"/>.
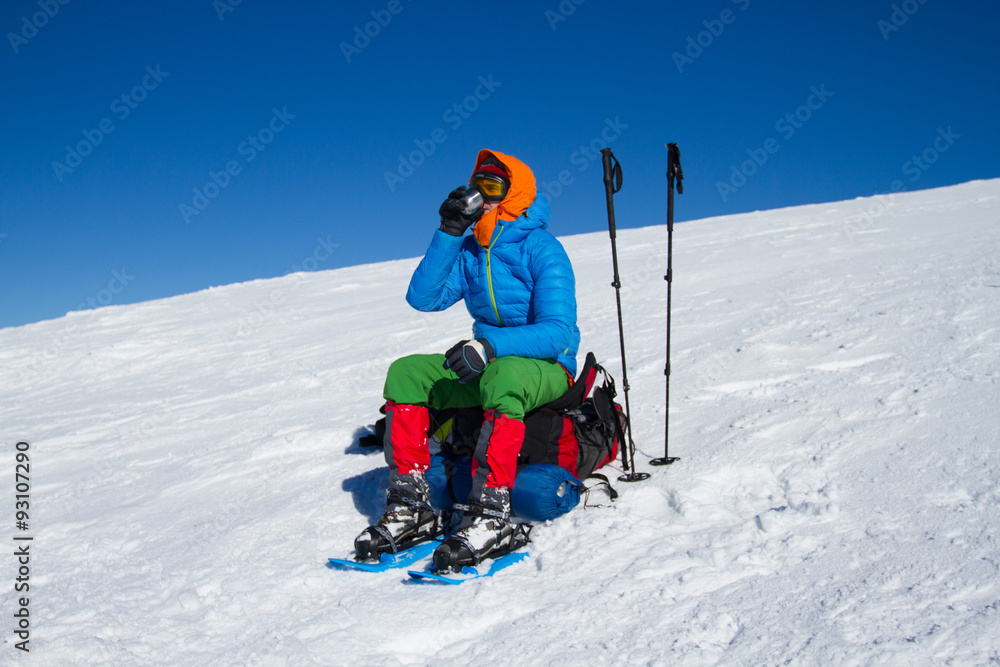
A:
<point x="436" y="284"/>
<point x="552" y="325"/>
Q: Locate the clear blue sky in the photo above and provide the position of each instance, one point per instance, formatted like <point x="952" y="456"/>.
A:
<point x="154" y="98"/>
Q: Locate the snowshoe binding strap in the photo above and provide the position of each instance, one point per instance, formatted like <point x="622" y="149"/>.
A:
<point x="394" y="497"/>
<point x="374" y="547"/>
<point x="480" y="511"/>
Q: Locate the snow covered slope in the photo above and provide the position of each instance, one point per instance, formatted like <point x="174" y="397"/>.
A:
<point x="834" y="403"/>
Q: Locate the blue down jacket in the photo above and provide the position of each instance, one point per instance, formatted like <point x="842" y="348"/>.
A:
<point x="520" y="290"/>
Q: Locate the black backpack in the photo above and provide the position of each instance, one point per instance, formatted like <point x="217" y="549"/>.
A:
<point x="580" y="431"/>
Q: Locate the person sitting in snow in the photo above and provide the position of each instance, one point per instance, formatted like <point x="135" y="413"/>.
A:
<point x="518" y="284"/>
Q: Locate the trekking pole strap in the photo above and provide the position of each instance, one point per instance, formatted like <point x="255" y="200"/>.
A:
<point x="603" y="481"/>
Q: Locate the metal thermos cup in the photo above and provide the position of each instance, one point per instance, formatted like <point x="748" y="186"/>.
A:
<point x="472" y="202"/>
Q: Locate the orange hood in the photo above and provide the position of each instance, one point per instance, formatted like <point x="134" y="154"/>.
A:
<point x="519" y="197"/>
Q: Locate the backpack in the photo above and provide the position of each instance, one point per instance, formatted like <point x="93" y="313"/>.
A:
<point x="580" y="431"/>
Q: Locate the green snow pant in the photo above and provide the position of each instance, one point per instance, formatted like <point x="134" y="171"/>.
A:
<point x="513" y="386"/>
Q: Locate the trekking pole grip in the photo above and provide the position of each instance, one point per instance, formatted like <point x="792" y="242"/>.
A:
<point x="674" y="171"/>
<point x="606" y="158"/>
<point x="612" y="184"/>
<point x="612" y="171"/>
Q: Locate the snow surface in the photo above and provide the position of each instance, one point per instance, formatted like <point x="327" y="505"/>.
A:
<point x="834" y="404"/>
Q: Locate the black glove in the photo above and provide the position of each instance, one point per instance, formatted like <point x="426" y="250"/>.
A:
<point x="468" y="359"/>
<point x="454" y="221"/>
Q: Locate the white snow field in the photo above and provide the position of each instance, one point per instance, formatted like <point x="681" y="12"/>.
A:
<point x="835" y="401"/>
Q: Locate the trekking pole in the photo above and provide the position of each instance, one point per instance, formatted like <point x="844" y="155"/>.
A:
<point x="673" y="173"/>
<point x="612" y="184"/>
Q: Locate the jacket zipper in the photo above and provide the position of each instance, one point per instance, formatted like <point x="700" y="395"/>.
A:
<point x="489" y="277"/>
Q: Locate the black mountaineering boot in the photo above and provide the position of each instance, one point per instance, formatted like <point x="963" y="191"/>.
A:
<point x="487" y="532"/>
<point x="409" y="519"/>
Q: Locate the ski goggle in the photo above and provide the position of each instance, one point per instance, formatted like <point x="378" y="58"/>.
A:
<point x="492" y="187"/>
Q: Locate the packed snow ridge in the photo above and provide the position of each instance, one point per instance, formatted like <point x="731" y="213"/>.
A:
<point x="194" y="461"/>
